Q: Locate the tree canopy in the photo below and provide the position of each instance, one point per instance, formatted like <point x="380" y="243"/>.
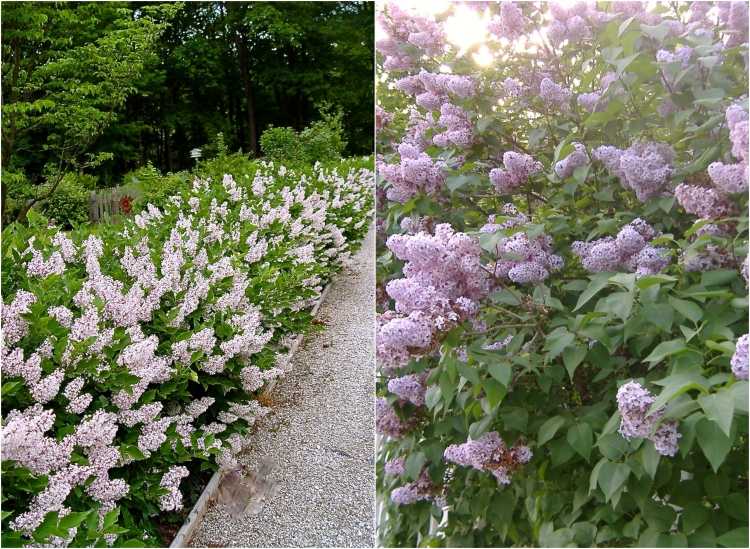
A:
<point x="106" y="87"/>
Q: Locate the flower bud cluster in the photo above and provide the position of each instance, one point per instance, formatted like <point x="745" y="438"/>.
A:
<point x="420" y="490"/>
<point x="405" y="30"/>
<point x="579" y="157"/>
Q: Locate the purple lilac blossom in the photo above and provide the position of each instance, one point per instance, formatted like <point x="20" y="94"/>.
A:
<point x="740" y="358"/>
<point x="629" y="251"/>
<point x="518" y="167"/>
<point x="634" y="403"/>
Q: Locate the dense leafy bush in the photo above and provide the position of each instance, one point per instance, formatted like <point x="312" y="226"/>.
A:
<point x="69" y="204"/>
<point x="156" y="188"/>
<point x="562" y="220"/>
<point x="322" y="140"/>
<point x="134" y="353"/>
<point x="277" y="143"/>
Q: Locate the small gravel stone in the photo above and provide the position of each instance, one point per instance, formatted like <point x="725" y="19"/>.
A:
<point x="320" y="433"/>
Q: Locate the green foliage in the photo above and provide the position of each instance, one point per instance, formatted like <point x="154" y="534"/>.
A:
<point x="154" y="187"/>
<point x="282" y="145"/>
<point x="69" y="205"/>
<point x="321" y="141"/>
<point x="576" y="337"/>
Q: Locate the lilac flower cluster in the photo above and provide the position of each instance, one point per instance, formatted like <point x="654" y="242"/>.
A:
<point x="704" y="202"/>
<point x="740" y="358"/>
<point x="405" y="30"/>
<point x="579" y="157"/>
<point x="171" y="481"/>
<point x="420" y="490"/>
<point x="395" y="467"/>
<point x="554" y="94"/>
<point x="409" y="388"/>
<point x="709" y="255"/>
<point x="733" y="178"/>
<point x="629" y="251"/>
<point x="443" y="280"/>
<point x="634" y="403"/>
<point x="416" y="173"/>
<point x="489" y="453"/>
<point x="598" y="100"/>
<point x="509" y="23"/>
<point x="521" y="259"/>
<point x="644" y="168"/>
<point x="458" y="129"/>
<point x="569" y="23"/>
<point x="518" y="167"/>
<point x="387" y="422"/>
<point x="734" y="17"/>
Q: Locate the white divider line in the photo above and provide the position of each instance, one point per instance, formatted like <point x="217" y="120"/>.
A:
<point x="201" y="506"/>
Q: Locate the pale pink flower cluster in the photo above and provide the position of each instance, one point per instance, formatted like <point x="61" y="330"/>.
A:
<point x="405" y="30"/>
<point x="645" y="168"/>
<point x="733" y="178"/>
<point x="417" y="172"/>
<point x="171" y="481"/>
<point x="490" y="453"/>
<point x="629" y="251"/>
<point x="443" y="279"/>
<point x="516" y="171"/>
<point x="634" y="403"/>
<point x="509" y="23"/>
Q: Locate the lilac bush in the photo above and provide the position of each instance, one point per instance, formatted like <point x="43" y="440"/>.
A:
<point x="132" y="354"/>
<point x="562" y="276"/>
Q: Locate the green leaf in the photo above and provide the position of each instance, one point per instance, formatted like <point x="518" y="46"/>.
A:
<point x="598" y="282"/>
<point x="495" y="391"/>
<point x="734" y="538"/>
<point x="572" y="357"/>
<point x="688" y="309"/>
<point x="558" y="341"/>
<point x="693" y="517"/>
<point x="432" y="396"/>
<point x="549" y="428"/>
<point x="110" y="519"/>
<point x="665" y="349"/>
<point x="414" y="464"/>
<point x="611" y="477"/>
<point x="581" y="438"/>
<point x="719" y="408"/>
<point x="649" y="458"/>
<point x="73" y="520"/>
<point x="501" y="371"/>
<point x="468" y="372"/>
<point x="627" y="280"/>
<point x="458" y="181"/>
<point x="619" y="304"/>
<point x="714" y="443"/>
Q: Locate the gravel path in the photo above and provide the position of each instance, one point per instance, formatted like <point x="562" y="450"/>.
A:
<point x="319" y="437"/>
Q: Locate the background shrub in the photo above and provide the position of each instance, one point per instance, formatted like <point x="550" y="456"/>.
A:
<point x="69" y="205"/>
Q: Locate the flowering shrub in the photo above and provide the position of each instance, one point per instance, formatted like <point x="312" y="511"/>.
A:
<point x="132" y="353"/>
<point x="562" y="231"/>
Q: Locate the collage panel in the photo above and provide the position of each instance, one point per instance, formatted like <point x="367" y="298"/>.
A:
<point x="187" y="274"/>
<point x="562" y="219"/>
